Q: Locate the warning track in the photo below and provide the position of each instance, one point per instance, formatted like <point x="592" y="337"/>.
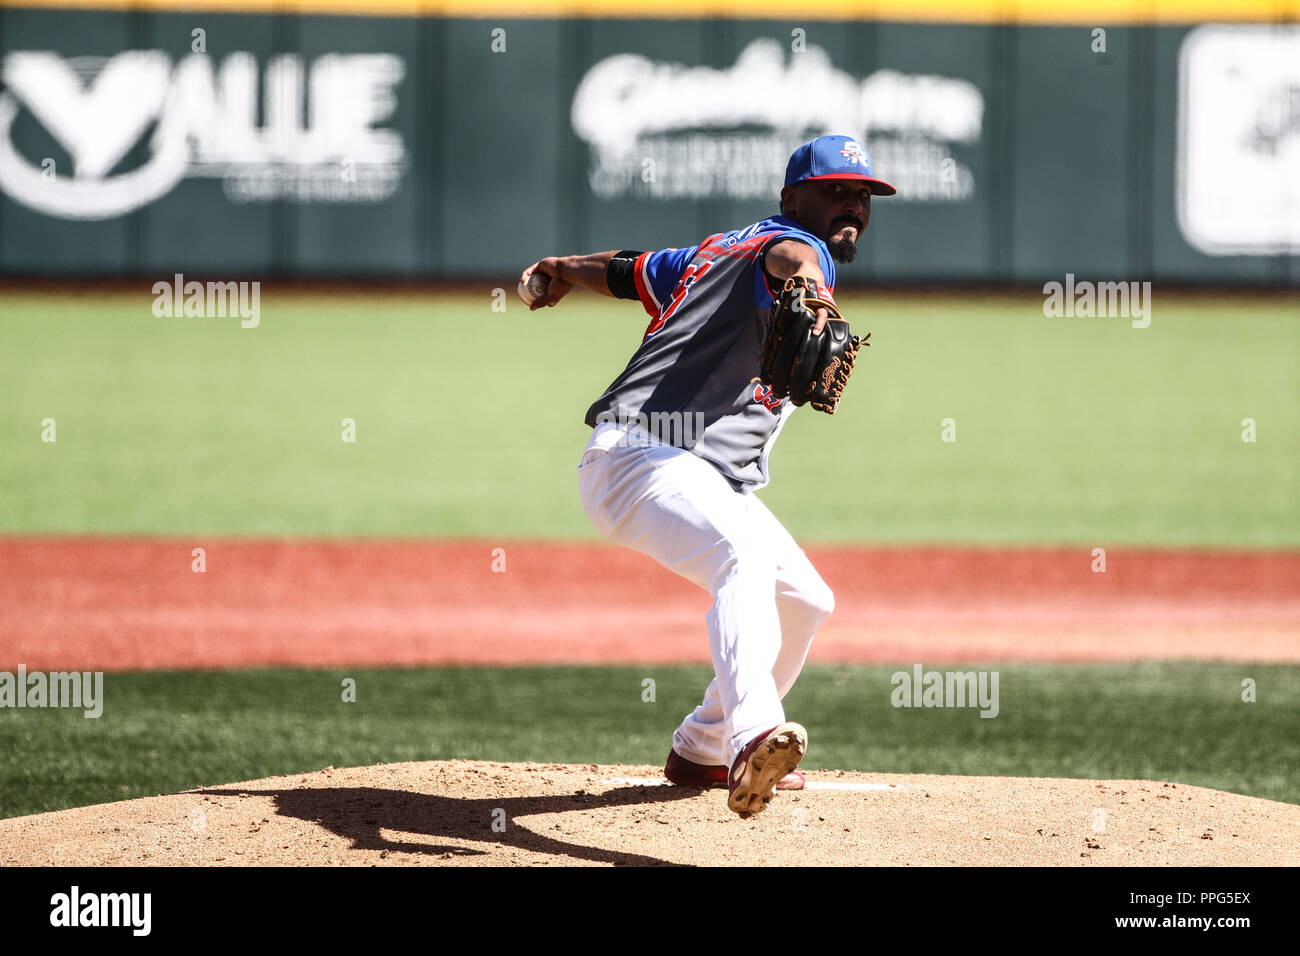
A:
<point x="133" y="604"/>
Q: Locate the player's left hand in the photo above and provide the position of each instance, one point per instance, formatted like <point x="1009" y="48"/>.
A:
<point x="822" y="315"/>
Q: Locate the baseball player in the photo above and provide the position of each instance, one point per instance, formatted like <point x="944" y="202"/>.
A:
<point x="681" y="441"/>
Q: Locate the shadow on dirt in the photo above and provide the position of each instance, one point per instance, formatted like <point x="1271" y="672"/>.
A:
<point x="359" y="814"/>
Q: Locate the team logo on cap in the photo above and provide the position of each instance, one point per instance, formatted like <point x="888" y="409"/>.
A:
<point x="854" y="153"/>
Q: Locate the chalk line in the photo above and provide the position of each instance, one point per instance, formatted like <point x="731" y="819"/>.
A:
<point x="810" y="785"/>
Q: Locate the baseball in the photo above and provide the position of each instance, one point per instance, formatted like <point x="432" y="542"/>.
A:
<point x="536" y="287"/>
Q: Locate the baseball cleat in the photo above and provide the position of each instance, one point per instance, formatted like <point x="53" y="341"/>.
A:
<point x="688" y="773"/>
<point x="764" y="761"/>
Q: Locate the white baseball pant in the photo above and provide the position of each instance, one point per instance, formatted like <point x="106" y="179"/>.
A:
<point x="768" y="598"/>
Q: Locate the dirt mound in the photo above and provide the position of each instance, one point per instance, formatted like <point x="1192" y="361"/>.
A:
<point x="463" y="813"/>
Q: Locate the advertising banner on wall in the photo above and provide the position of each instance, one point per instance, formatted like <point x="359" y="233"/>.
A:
<point x="1239" y="140"/>
<point x="390" y="146"/>
<point x="320" y="137"/>
<point x="727" y="133"/>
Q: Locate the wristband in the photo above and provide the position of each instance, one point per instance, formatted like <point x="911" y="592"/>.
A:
<point x="620" y="275"/>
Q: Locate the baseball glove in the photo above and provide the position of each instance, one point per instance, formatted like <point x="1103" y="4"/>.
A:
<point x="810" y="369"/>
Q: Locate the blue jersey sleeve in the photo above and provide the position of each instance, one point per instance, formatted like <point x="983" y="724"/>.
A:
<point x="656" y="273"/>
<point x="763" y="289"/>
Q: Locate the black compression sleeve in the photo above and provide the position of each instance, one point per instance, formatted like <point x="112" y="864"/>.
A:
<point x="620" y="275"/>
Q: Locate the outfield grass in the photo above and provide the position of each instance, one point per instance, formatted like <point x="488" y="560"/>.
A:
<point x="162" y="732"/>
<point x="469" y="422"/>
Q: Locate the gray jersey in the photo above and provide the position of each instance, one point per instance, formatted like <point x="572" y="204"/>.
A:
<point x="692" y="381"/>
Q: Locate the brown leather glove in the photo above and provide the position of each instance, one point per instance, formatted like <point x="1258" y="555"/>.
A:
<point x="810" y="369"/>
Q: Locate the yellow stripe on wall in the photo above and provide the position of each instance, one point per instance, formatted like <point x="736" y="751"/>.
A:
<point x="1079" y="12"/>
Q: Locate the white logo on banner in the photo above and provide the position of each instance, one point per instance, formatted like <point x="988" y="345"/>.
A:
<point x="319" y="140"/>
<point x="1239" y="140"/>
<point x="730" y="132"/>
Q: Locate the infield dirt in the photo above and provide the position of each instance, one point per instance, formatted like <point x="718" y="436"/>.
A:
<point x="463" y="813"/>
<point x="124" y="604"/>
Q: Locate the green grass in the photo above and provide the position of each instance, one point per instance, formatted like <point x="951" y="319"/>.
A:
<point x="162" y="732"/>
<point x="469" y="422"/>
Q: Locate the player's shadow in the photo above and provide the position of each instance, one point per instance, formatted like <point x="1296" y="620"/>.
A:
<point x="359" y="814"/>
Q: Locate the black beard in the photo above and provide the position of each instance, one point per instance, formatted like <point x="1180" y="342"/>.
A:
<point x="842" y="250"/>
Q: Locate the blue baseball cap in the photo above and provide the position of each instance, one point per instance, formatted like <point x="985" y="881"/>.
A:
<point x="834" y="157"/>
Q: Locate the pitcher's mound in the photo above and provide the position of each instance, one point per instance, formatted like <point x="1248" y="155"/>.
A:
<point x="468" y="813"/>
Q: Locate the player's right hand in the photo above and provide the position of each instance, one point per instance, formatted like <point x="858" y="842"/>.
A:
<point x="558" y="287"/>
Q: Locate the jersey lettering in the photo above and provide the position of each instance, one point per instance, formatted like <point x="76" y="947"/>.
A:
<point x="763" y="395"/>
<point x="693" y="274"/>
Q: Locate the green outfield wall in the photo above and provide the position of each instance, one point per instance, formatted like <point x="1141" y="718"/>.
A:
<point x="143" y="141"/>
